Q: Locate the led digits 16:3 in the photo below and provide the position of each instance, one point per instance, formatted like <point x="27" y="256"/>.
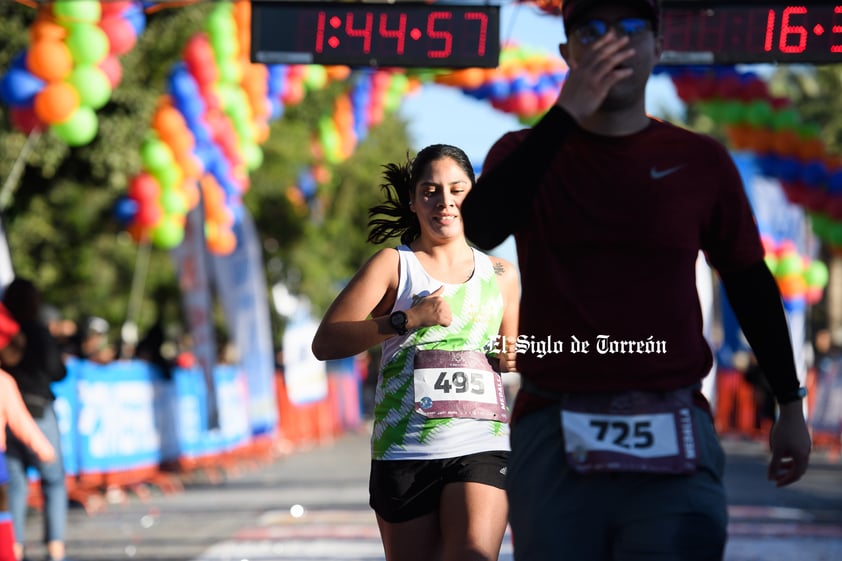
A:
<point x="372" y="34"/>
<point x="747" y="32"/>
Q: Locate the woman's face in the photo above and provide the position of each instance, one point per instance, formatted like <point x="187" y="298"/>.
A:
<point x="438" y="198"/>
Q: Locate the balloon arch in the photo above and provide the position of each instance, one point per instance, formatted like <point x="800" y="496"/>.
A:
<point x="206" y="133"/>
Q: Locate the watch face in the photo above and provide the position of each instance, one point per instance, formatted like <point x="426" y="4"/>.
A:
<point x="398" y="321"/>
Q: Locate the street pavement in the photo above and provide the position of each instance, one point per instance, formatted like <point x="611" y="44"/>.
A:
<point x="311" y="505"/>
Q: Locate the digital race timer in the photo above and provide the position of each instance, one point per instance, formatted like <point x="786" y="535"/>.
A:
<point x="374" y="34"/>
<point x="747" y="32"/>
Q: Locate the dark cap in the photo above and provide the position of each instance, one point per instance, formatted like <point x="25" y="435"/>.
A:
<point x="572" y="10"/>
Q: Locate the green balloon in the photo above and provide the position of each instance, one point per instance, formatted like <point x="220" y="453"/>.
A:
<point x="92" y="85"/>
<point x="79" y="129"/>
<point x="733" y="112"/>
<point x="168" y="233"/>
<point x="71" y="11"/>
<point x="155" y="154"/>
<point x="816" y="274"/>
<point x="785" y="119"/>
<point x="168" y="176"/>
<point x="758" y="113"/>
<point x="254" y="156"/>
<point x="87" y="42"/>
<point x="771" y="262"/>
<point x="173" y="202"/>
<point x="789" y="264"/>
<point x="315" y="77"/>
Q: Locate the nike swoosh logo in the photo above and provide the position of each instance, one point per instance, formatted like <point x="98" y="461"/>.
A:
<point x="660" y="174"/>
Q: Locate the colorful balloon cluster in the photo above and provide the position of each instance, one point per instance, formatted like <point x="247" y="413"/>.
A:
<point x="800" y="279"/>
<point x="786" y="148"/>
<point x="369" y="96"/>
<point x="526" y="83"/>
<point x="71" y="66"/>
<point x="208" y="129"/>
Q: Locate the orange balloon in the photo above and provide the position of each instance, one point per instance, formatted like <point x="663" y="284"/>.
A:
<point x="46" y="29"/>
<point x="224" y="242"/>
<point x="262" y="131"/>
<point x="167" y="119"/>
<point x="338" y="73"/>
<point x="811" y="149"/>
<point x="56" y="102"/>
<point x="191" y="193"/>
<point x="49" y="60"/>
<point x="762" y="140"/>
<point x="786" y="142"/>
<point x="792" y="286"/>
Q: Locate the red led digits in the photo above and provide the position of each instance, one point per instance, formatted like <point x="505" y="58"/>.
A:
<point x="483" y="29"/>
<point x="399" y="33"/>
<point x="320" y="32"/>
<point x="752" y="32"/>
<point x="789" y="32"/>
<point x="445" y="36"/>
<point x="364" y="32"/>
<point x="408" y="33"/>
<point x="835" y="48"/>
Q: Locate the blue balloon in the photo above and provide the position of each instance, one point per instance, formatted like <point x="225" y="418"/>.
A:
<point x="834" y="184"/>
<point x="814" y="174"/>
<point x="136" y="17"/>
<point x="19" y="86"/>
<point x="520" y="85"/>
<point x="125" y="210"/>
<point x="797" y="304"/>
<point x="789" y="169"/>
<point x="19" y="61"/>
<point x="307" y="184"/>
<point x="276" y="82"/>
<point x="768" y="165"/>
<point x="500" y="89"/>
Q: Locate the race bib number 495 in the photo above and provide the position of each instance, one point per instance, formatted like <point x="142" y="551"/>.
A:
<point x="458" y="384"/>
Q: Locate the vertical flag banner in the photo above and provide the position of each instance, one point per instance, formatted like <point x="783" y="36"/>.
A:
<point x="241" y="289"/>
<point x="7" y="273"/>
<point x="190" y="259"/>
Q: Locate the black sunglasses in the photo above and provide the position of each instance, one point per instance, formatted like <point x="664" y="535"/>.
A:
<point x="591" y="31"/>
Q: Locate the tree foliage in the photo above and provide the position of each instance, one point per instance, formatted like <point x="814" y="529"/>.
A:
<point x="60" y="224"/>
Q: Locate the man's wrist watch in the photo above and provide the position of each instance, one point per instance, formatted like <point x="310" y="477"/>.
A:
<point x="398" y="321"/>
<point x="794" y="395"/>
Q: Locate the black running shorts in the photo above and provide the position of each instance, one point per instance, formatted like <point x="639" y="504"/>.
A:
<point x="401" y="490"/>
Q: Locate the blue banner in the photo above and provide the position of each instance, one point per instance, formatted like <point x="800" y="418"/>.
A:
<point x="116" y="427"/>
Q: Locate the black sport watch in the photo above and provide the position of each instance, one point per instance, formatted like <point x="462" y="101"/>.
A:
<point x="398" y="322"/>
<point x="795" y="395"/>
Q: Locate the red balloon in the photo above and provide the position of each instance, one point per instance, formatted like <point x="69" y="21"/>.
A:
<point x="143" y="188"/>
<point x="525" y="104"/>
<point x="24" y="119"/>
<point x="114" y="7"/>
<point x="148" y="214"/>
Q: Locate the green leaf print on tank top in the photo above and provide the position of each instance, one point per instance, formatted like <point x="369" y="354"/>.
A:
<point x="477" y="309"/>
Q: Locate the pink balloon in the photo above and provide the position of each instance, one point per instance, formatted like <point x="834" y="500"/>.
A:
<point x="121" y="35"/>
<point x="113" y="69"/>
